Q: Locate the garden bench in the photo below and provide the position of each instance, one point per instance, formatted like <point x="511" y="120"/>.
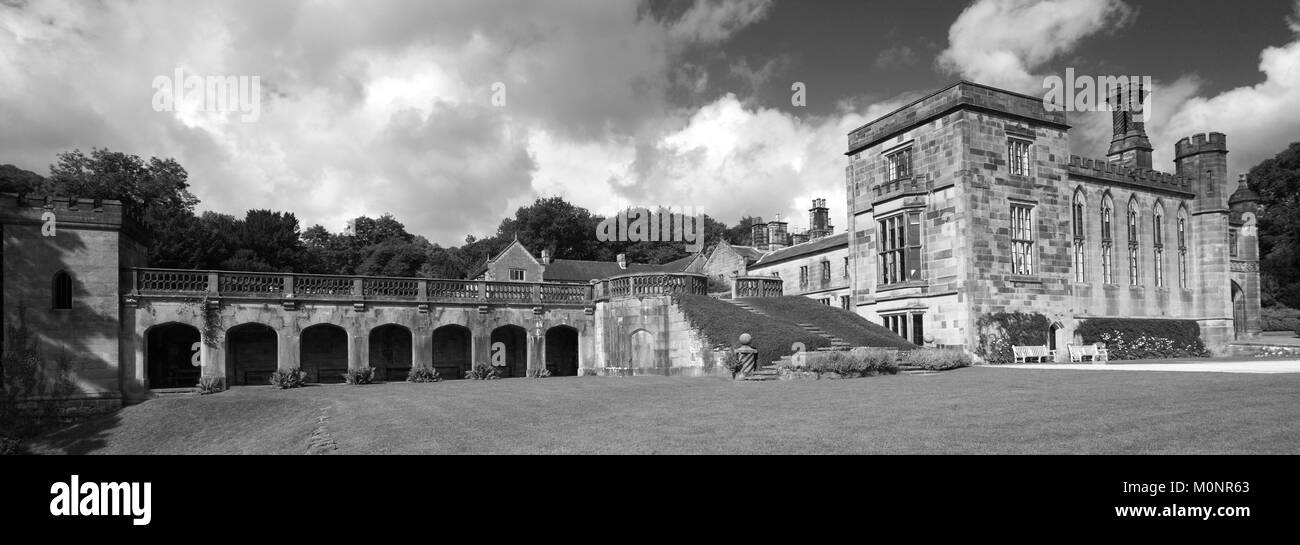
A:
<point x="1094" y="352"/>
<point x="1040" y="353"/>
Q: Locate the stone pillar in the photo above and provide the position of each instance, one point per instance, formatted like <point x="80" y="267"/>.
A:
<point x="536" y="347"/>
<point x="287" y="347"/>
<point x="358" y="350"/>
<point x="480" y="346"/>
<point x="421" y="348"/>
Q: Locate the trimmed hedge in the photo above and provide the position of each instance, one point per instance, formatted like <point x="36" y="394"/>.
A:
<point x="999" y="331"/>
<point x="936" y="359"/>
<point x="1135" y="339"/>
<point x="859" y="362"/>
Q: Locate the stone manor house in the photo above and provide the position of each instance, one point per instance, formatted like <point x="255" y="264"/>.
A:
<point x="972" y="200"/>
<point x="969" y="201"/>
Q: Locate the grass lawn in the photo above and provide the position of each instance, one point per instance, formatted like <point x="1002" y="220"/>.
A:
<point x="972" y="410"/>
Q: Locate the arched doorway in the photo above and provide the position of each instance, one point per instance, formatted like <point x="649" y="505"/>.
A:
<point x="514" y="349"/>
<point x="643" y="349"/>
<point x="562" y="351"/>
<point x="1054" y="336"/>
<point x="171" y="354"/>
<point x="1238" y="312"/>
<point x="251" y="354"/>
<point x="390" y="352"/>
<point x="451" y="351"/>
<point x="324" y="353"/>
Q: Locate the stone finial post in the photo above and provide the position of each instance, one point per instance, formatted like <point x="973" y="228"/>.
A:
<point x="746" y="357"/>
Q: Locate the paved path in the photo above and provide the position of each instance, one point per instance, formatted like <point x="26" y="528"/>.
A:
<point x="1237" y="366"/>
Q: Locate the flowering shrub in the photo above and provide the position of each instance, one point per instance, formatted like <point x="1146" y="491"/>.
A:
<point x="1135" y="339"/>
<point x="539" y="373"/>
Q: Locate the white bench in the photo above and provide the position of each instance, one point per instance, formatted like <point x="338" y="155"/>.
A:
<point x="1040" y="354"/>
<point x="1095" y="353"/>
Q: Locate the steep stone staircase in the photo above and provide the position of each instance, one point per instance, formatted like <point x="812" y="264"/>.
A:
<point x="836" y="342"/>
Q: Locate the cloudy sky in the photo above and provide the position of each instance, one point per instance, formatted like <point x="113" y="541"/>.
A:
<point x="373" y="107"/>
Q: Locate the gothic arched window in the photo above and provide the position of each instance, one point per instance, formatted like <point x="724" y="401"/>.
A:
<point x="1080" y="236"/>
<point x="1107" y="240"/>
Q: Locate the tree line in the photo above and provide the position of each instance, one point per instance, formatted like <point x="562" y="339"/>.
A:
<point x="157" y="191"/>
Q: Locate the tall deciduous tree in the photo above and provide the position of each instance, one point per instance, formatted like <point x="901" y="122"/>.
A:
<point x="1277" y="181"/>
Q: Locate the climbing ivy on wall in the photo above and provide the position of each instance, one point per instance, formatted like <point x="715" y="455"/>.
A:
<point x="999" y="331"/>
<point x="207" y="314"/>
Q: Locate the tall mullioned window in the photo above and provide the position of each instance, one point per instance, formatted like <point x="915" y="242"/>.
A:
<point x="1232" y="243"/>
<point x="1022" y="239"/>
<point x="803" y="275"/>
<point x="1018" y="157"/>
<point x="826" y="271"/>
<point x="898" y="165"/>
<point x="1080" y="237"/>
<point x="891" y="255"/>
<point x="1158" y="237"/>
<point x="1133" y="270"/>
<point x="1182" y="251"/>
<point x="1107" y="242"/>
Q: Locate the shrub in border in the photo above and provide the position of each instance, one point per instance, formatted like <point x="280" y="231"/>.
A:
<point x="937" y="359"/>
<point x="359" y="376"/>
<point x="483" y="371"/>
<point x="211" y="385"/>
<point x="423" y="374"/>
<point x="293" y="378"/>
<point x="539" y="373"/>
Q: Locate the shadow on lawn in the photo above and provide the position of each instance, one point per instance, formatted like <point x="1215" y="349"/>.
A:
<point x="82" y="438"/>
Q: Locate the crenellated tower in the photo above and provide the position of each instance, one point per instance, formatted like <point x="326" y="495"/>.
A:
<point x="1203" y="158"/>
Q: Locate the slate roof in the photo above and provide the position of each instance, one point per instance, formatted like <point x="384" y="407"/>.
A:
<point x="820" y="245"/>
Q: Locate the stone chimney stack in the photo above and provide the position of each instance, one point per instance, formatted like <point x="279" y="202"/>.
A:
<point x="546" y="257"/>
<point x="819" y="220"/>
<point x="1129" y="145"/>
<point x="622" y="261"/>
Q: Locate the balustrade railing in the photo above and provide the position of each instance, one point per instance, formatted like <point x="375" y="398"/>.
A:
<point x="757" y="286"/>
<point x="647" y="284"/>
<point x="165" y="282"/>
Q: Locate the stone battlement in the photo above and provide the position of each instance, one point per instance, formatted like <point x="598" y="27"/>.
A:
<point x="1104" y="170"/>
<point x="1200" y="143"/>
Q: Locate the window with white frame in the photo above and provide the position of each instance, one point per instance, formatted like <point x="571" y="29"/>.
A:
<point x="1018" y="157"/>
<point x="898" y="165"/>
<point x="1182" y="251"/>
<point x="1158" y="245"/>
<point x="1022" y="239"/>
<point x="1080" y="237"/>
<point x="1134" y="276"/>
<point x="1107" y="242"/>
<point x="517" y="275"/>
